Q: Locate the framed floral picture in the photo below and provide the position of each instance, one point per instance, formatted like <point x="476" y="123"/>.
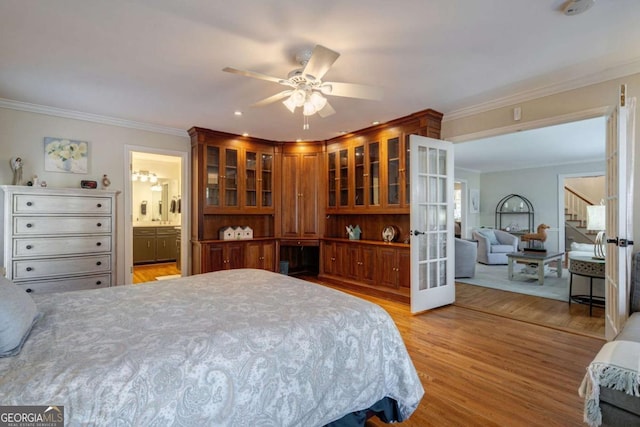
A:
<point x="65" y="155"/>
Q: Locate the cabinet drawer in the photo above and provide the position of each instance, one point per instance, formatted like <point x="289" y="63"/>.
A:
<point x="52" y="246"/>
<point x="62" y="285"/>
<point x="144" y="231"/>
<point x="61" y="225"/>
<point x="48" y="267"/>
<point x="41" y="204"/>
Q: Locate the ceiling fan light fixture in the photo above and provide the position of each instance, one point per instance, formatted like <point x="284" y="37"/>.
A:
<point x="298" y="96"/>
<point x="309" y="109"/>
<point x="318" y="100"/>
<point x="290" y="104"/>
<point x="326" y="89"/>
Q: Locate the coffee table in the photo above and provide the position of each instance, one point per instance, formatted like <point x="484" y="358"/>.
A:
<point x="538" y="258"/>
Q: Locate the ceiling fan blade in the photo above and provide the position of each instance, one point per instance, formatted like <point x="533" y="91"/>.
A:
<point x="254" y="75"/>
<point x="352" y="90"/>
<point x="326" y="111"/>
<point x="274" y="98"/>
<point x="321" y="60"/>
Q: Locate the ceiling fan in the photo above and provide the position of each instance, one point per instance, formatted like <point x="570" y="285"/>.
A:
<point x="306" y="88"/>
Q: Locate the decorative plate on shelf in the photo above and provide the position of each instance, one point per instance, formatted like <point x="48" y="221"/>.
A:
<point x="389" y="233"/>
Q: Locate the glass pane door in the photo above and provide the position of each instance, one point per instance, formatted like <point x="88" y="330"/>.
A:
<point x="393" y="166"/>
<point x="231" y="178"/>
<point x="212" y="191"/>
<point x="267" y="180"/>
<point x="251" y="180"/>
<point x="332" y="176"/>
<point x="344" y="177"/>
<point x="374" y="174"/>
<point x="432" y="243"/>
<point x="359" y="175"/>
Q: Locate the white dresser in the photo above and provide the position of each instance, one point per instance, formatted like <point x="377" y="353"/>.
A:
<point x="58" y="239"/>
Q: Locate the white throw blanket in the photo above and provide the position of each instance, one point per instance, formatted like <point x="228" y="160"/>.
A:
<point x="616" y="366"/>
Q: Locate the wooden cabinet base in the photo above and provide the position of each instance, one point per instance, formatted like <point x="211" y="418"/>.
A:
<point x="401" y="294"/>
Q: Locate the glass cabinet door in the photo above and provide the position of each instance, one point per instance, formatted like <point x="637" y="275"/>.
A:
<point x="231" y="178"/>
<point x="359" y="176"/>
<point x="212" y="191"/>
<point x="344" y="177"/>
<point x="332" y="177"/>
<point x="393" y="169"/>
<point x="267" y="180"/>
<point x="407" y="172"/>
<point x="374" y="174"/>
<point x="251" y="179"/>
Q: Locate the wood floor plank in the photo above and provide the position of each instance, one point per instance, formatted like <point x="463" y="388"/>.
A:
<point x="481" y="369"/>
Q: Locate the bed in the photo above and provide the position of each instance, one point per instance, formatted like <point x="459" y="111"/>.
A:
<point x="237" y="348"/>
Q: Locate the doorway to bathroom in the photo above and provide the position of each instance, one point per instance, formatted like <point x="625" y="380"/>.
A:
<point x="156" y="213"/>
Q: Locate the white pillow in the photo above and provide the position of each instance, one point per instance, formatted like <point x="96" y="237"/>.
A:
<point x="18" y="314"/>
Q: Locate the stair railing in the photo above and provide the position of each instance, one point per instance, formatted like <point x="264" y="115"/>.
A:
<point x="576" y="205"/>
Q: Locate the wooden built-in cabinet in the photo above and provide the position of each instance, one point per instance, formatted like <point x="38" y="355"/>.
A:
<point x="301" y="194"/>
<point x="260" y="254"/>
<point x="368" y="171"/>
<point x="380" y="268"/>
<point x="299" y="197"/>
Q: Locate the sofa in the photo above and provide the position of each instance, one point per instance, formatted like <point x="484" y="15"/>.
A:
<point x="494" y="245"/>
<point x="466" y="253"/>
<point x="617" y="407"/>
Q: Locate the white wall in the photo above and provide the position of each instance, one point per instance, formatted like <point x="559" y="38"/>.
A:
<point x="539" y="185"/>
<point x="22" y="134"/>
<point x="473" y="182"/>
<point x="590" y="187"/>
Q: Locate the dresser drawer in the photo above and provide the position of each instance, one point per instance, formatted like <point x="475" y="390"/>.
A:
<point x="43" y="204"/>
<point x="62" y="285"/>
<point x="60" y="225"/>
<point x="51" y="267"/>
<point x="53" y="246"/>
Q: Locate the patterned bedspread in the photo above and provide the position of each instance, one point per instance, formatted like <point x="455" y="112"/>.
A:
<point x="237" y="348"/>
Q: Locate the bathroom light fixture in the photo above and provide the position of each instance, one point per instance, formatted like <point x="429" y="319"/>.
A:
<point x="144" y="176"/>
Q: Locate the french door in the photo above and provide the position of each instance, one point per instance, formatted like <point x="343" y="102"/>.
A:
<point x="619" y="202"/>
<point x="432" y="241"/>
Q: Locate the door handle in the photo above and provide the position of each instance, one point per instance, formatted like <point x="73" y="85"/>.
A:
<point x="417" y="233"/>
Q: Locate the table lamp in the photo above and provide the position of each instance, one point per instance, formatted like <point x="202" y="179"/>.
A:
<point x="596" y="218"/>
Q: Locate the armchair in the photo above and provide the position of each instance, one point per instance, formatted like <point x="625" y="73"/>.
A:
<point x="466" y="254"/>
<point x="494" y="245"/>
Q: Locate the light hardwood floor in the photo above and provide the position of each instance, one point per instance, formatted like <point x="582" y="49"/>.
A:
<point x="149" y="272"/>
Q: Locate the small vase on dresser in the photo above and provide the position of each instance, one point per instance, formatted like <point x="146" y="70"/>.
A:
<point x="58" y="239"/>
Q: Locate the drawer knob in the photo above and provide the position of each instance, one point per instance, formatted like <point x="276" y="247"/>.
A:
<point x="29" y="225"/>
<point x="99" y="244"/>
<point x="99" y="263"/>
<point x="99" y="205"/>
<point x="29" y="269"/>
<point x="29" y="290"/>
<point x="29" y="203"/>
<point x="99" y="282"/>
<point x="99" y="224"/>
<point x="29" y="246"/>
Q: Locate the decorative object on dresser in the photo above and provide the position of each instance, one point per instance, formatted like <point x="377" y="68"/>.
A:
<point x="353" y="232"/>
<point x="389" y="233"/>
<point x="58" y="239"/>
<point x="16" y="168"/>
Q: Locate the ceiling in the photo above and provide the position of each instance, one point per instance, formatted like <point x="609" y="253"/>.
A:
<point x="160" y="62"/>
<point x="575" y="142"/>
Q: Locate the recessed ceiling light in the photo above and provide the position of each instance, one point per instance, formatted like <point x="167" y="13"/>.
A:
<point x="375" y="122"/>
<point x="237" y="113"/>
<point x="299" y="140"/>
<point x="343" y="132"/>
<point x="245" y="134"/>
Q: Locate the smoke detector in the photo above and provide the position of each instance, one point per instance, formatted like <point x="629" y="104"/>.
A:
<point x="576" y="7"/>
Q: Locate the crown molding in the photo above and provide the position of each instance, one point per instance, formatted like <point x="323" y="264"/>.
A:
<point x="95" y="118"/>
<point x="540" y="92"/>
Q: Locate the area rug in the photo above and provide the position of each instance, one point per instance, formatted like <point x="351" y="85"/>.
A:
<point x="170" y="276"/>
<point x="495" y="277"/>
